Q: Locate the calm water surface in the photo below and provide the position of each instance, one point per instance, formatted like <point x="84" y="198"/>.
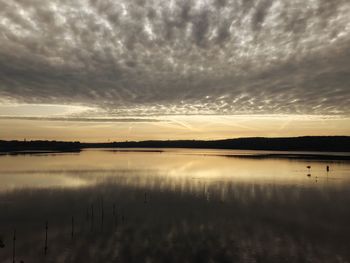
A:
<point x="173" y="206"/>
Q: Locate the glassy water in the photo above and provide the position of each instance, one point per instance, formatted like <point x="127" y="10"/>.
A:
<point x="173" y="206"/>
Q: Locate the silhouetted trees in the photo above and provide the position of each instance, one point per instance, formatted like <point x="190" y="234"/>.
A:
<point x="307" y="143"/>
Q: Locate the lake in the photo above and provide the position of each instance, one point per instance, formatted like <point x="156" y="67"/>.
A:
<point x="173" y="205"/>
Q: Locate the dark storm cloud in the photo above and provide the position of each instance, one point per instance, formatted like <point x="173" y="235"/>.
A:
<point x="178" y="57"/>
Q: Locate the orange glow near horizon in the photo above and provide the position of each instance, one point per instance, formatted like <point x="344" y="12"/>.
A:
<point x="173" y="128"/>
<point x="88" y="124"/>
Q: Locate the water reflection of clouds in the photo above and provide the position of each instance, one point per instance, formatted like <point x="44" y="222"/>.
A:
<point x="249" y="219"/>
<point x="188" y="206"/>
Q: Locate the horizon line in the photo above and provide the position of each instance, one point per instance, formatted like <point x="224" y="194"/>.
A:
<point x="167" y="140"/>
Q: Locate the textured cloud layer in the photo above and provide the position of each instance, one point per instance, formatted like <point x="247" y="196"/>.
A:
<point x="134" y="57"/>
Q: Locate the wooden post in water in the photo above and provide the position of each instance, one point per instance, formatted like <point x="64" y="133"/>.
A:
<point x="72" y="227"/>
<point x="14" y="247"/>
<point x="102" y="213"/>
<point x="123" y="218"/>
<point x="46" y="229"/>
<point x="92" y="217"/>
<point x="113" y="216"/>
<point x="87" y="213"/>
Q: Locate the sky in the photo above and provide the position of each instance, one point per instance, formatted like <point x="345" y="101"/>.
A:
<point x="98" y="70"/>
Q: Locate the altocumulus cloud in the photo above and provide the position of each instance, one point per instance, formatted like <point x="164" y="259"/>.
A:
<point x="137" y="57"/>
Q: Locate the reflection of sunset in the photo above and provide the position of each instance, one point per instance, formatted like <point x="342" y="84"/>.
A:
<point x="153" y="201"/>
<point x="182" y="168"/>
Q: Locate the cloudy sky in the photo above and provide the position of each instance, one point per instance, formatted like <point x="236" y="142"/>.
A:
<point x="138" y="69"/>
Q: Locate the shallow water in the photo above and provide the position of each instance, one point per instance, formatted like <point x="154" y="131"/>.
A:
<point x="175" y="206"/>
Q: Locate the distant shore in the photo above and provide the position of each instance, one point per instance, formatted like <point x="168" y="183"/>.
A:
<point x="306" y="143"/>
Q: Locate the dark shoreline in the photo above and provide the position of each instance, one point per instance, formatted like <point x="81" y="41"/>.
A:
<point x="306" y="143"/>
<point x="320" y="144"/>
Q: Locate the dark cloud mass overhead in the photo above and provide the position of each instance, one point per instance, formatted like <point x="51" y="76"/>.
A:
<point x="135" y="57"/>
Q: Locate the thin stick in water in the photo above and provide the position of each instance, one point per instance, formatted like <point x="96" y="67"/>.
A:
<point x="92" y="217"/>
<point x="72" y="227"/>
<point x="102" y="213"/>
<point x="14" y="247"/>
<point x="46" y="228"/>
